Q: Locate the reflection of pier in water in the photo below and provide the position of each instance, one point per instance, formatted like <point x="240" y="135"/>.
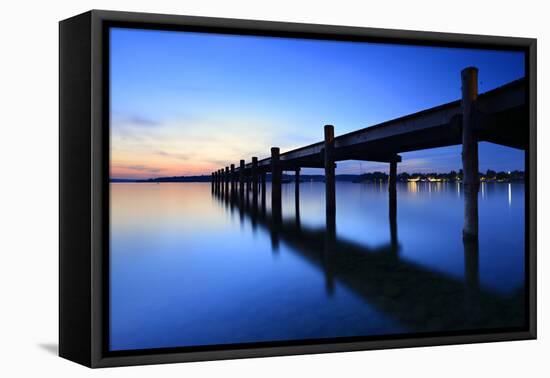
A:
<point x="416" y="297"/>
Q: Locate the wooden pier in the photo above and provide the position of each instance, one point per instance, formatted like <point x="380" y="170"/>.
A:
<point x="498" y="116"/>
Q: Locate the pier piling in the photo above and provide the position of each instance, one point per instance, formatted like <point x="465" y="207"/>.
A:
<point x="227" y="179"/>
<point x="232" y="170"/>
<point x="254" y="173"/>
<point x="330" y="183"/>
<point x="263" y="182"/>
<point x="276" y="174"/>
<point x="241" y="179"/>
<point x="470" y="152"/>
<point x="297" y="191"/>
<point x="263" y="185"/>
<point x="392" y="189"/>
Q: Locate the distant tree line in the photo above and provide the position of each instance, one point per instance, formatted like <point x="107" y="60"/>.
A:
<point x="489" y="176"/>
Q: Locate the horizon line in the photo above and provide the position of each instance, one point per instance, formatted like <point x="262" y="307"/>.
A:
<point x="320" y="174"/>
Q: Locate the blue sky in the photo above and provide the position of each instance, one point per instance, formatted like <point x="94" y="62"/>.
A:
<point x="188" y="103"/>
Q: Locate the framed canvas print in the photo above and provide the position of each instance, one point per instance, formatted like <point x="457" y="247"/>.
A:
<point x="234" y="188"/>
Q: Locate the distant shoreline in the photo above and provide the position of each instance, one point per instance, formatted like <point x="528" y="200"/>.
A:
<point x="453" y="176"/>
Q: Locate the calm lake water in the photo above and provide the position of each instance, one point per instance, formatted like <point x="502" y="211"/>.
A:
<point x="189" y="267"/>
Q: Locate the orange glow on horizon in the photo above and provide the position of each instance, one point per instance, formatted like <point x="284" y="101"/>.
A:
<point x="181" y="148"/>
<point x="128" y="170"/>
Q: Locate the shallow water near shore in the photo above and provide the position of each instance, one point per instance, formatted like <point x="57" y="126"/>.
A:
<point x="189" y="267"/>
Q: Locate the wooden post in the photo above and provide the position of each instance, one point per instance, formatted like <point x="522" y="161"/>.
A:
<point x="226" y="189"/>
<point x="392" y="189"/>
<point x="254" y="173"/>
<point x="469" y="152"/>
<point x="247" y="188"/>
<point x="232" y="169"/>
<point x="254" y="186"/>
<point x="263" y="181"/>
<point x="231" y="195"/>
<point x="297" y="193"/>
<point x="275" y="184"/>
<point x="241" y="180"/>
<point x="213" y="182"/>
<point x="330" y="184"/>
<point x="276" y="210"/>
<point x="247" y="180"/>
<point x="220" y="183"/>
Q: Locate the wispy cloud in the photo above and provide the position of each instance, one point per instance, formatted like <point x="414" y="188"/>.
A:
<point x="142" y="121"/>
<point x="175" y="155"/>
<point x="136" y="167"/>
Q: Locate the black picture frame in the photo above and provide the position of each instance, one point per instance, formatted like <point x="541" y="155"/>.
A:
<point x="84" y="184"/>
